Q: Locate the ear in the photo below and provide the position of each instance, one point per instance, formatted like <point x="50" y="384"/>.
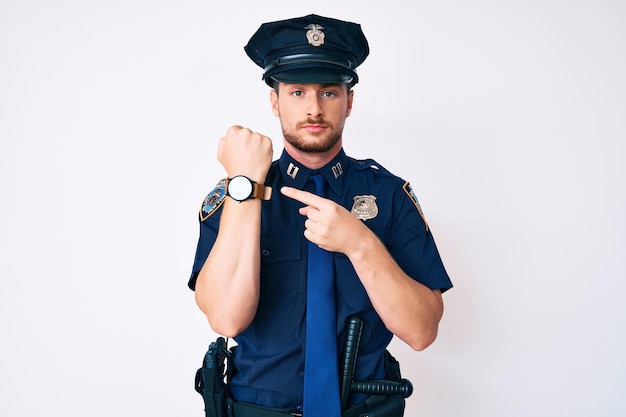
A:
<point x="274" y="102"/>
<point x="349" y="102"/>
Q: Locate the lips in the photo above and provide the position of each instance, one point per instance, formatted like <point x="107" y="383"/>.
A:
<point x="314" y="125"/>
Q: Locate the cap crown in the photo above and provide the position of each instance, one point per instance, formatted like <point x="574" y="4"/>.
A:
<point x="309" y="49"/>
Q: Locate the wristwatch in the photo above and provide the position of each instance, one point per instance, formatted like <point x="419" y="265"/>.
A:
<point x="241" y="188"/>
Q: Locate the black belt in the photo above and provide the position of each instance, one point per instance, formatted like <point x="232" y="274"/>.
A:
<point x="238" y="409"/>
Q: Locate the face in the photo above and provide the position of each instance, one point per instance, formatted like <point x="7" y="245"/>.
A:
<point x="312" y="116"/>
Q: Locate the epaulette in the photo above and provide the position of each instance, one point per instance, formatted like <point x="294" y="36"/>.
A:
<point x="363" y="164"/>
<point x="213" y="200"/>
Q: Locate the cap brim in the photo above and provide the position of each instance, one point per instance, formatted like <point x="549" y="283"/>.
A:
<point x="312" y="76"/>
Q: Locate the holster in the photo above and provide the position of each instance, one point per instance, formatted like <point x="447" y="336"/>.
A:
<point x="210" y="379"/>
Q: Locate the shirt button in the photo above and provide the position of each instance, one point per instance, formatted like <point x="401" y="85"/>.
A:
<point x="265" y="252"/>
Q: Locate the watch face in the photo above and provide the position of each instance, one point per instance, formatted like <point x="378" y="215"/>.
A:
<point x="239" y="188"/>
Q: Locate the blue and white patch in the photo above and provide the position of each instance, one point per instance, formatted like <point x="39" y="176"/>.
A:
<point x="409" y="190"/>
<point x="213" y="200"/>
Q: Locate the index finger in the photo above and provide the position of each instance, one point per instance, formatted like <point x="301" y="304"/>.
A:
<point x="302" y="196"/>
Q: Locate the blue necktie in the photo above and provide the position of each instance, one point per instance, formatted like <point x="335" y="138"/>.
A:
<point x="321" y="375"/>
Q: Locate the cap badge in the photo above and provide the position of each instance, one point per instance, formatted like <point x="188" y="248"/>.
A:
<point x="315" y="34"/>
<point x="365" y="207"/>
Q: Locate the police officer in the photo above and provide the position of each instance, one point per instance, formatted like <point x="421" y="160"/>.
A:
<point x="256" y="226"/>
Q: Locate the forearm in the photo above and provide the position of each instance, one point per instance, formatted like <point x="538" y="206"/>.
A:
<point x="408" y="308"/>
<point x="227" y="288"/>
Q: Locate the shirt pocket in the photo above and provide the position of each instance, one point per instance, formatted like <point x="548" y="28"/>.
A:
<point x="282" y="299"/>
<point x="281" y="265"/>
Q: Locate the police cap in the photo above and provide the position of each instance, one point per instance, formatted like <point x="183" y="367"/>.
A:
<point x="309" y="50"/>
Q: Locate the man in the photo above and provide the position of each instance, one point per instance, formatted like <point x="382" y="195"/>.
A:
<point x="259" y="227"/>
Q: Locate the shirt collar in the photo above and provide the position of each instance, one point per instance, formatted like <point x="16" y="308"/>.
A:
<point x="296" y="175"/>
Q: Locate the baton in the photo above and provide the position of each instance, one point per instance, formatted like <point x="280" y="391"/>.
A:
<point x="383" y="387"/>
<point x="353" y="338"/>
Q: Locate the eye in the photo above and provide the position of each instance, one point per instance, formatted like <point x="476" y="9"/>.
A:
<point x="329" y="94"/>
<point x="297" y="93"/>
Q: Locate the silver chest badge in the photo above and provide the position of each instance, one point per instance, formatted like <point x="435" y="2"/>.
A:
<point x="315" y="34"/>
<point x="365" y="207"/>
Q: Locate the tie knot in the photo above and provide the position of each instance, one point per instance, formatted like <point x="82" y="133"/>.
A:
<point x="319" y="182"/>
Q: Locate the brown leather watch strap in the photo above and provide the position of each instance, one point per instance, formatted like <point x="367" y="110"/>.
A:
<point x="262" y="192"/>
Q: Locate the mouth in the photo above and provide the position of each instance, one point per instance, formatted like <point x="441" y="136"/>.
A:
<point x="313" y="126"/>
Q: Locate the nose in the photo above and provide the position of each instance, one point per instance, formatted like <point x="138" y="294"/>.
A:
<point x="314" y="106"/>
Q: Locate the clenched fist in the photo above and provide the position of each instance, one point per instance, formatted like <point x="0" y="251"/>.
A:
<point x="244" y="152"/>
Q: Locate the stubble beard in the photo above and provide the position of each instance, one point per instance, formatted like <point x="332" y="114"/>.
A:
<point x="326" y="140"/>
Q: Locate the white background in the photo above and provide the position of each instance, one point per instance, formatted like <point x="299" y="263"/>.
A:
<point x="508" y="118"/>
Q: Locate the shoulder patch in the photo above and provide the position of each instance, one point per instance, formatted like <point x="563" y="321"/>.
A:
<point x="213" y="200"/>
<point x="409" y="190"/>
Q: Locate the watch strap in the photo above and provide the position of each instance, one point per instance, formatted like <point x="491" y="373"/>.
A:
<point x="260" y="191"/>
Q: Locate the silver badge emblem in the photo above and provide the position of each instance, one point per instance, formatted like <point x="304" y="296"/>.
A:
<point x="315" y="34"/>
<point x="365" y="207"/>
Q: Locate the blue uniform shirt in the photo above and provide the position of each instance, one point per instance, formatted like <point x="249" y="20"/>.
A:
<point x="270" y="352"/>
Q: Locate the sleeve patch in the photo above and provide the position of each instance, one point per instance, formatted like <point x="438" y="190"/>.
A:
<point x="409" y="190"/>
<point x="213" y="200"/>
